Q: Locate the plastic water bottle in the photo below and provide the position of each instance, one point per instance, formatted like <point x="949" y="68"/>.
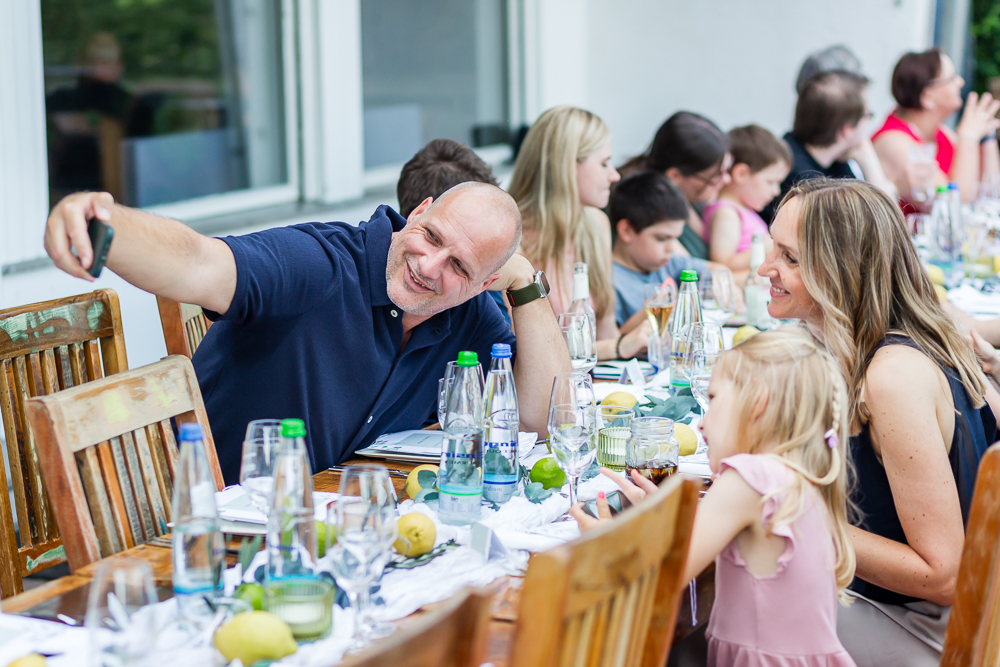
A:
<point x="502" y="425"/>
<point x="757" y="292"/>
<point x="291" y="531"/>
<point x="460" y="479"/>
<point x="198" y="549"/>
<point x="686" y="312"/>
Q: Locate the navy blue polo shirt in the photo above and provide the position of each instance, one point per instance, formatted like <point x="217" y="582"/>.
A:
<point x="311" y="333"/>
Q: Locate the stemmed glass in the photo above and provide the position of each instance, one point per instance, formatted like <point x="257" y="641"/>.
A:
<point x="121" y="631"/>
<point x="702" y="365"/>
<point x="260" y="450"/>
<point x="716" y="292"/>
<point x="658" y="302"/>
<point x="572" y="426"/>
<point x="580" y="333"/>
<point x="359" y="519"/>
<point x="704" y="337"/>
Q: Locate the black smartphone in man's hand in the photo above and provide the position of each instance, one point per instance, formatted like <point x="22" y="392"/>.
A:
<point x="100" y="241"/>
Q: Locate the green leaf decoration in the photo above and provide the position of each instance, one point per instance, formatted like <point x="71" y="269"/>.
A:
<point x="494" y="463"/>
<point x="536" y="493"/>
<point x="426" y="495"/>
<point x="684" y="391"/>
<point x="427" y="479"/>
<point x="591" y="472"/>
<point x="410" y="563"/>
<point x="248" y="549"/>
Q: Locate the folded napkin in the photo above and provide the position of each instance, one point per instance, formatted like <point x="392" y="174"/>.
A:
<point x="234" y="504"/>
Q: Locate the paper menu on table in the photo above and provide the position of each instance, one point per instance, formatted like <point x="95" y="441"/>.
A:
<point x="420" y="442"/>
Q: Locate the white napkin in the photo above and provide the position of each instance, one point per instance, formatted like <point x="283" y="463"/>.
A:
<point x="980" y="305"/>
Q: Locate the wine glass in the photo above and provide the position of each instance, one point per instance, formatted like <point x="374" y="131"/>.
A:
<point x="573" y="425"/>
<point x="389" y="533"/>
<point x="580" y="333"/>
<point x="702" y="365"/>
<point x="260" y="450"/>
<point x="444" y="384"/>
<point x="121" y="630"/>
<point x="358" y="519"/>
<point x="659" y="300"/>
<point x="701" y="336"/>
<point x="715" y="289"/>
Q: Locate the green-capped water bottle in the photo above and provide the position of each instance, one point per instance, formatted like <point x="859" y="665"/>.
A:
<point x="291" y="533"/>
<point x="460" y="479"/>
<point x="686" y="312"/>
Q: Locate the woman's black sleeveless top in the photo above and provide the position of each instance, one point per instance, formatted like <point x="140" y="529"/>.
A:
<point x="975" y="430"/>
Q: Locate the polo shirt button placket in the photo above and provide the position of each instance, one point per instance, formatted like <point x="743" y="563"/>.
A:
<point x="369" y="419"/>
<point x="394" y="313"/>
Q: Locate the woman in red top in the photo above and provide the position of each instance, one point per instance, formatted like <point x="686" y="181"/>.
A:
<point x="928" y="91"/>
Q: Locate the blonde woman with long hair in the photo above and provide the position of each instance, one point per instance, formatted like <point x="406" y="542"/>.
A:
<point x="919" y="406"/>
<point x="775" y="518"/>
<point x="561" y="181"/>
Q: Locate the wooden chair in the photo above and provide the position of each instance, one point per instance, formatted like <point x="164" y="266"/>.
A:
<point x="45" y="347"/>
<point x="451" y="636"/>
<point x="184" y="326"/>
<point x="973" y="635"/>
<point x="610" y="597"/>
<point x="108" y="454"/>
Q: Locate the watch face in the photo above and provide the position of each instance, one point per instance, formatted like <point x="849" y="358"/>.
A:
<point x="543" y="281"/>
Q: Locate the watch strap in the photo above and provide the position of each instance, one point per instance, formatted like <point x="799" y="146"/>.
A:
<point x="519" y="297"/>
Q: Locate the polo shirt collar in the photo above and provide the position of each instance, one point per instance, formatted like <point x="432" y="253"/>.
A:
<point x="378" y="236"/>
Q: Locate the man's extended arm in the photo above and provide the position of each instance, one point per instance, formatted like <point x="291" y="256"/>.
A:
<point x="541" y="350"/>
<point x="159" y="255"/>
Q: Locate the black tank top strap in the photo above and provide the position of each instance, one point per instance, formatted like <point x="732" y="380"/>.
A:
<point x="975" y="429"/>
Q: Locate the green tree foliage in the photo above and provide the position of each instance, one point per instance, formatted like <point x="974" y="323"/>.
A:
<point x="986" y="31"/>
<point x="158" y="38"/>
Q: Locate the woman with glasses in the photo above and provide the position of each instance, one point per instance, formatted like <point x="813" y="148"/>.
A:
<point x="928" y="91"/>
<point x="694" y="153"/>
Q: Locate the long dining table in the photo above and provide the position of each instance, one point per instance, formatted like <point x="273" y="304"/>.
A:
<point x="65" y="599"/>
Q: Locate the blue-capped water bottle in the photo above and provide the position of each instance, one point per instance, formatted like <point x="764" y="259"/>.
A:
<point x="198" y="549"/>
<point x="460" y="479"/>
<point x="502" y="424"/>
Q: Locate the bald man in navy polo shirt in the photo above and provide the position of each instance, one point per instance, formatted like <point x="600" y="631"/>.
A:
<point x="348" y="327"/>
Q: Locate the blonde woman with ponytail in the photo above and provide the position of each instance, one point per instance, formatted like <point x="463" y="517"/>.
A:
<point x="775" y="518"/>
<point x="920" y="410"/>
<point x="561" y="181"/>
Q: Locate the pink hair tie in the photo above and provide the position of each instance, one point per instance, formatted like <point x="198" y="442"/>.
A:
<point x="831" y="439"/>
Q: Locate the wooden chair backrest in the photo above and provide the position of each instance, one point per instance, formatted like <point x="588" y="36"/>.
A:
<point x="44" y="348"/>
<point x="973" y="635"/>
<point x="610" y="597"/>
<point x="452" y="636"/>
<point x="184" y="326"/>
<point x="109" y="457"/>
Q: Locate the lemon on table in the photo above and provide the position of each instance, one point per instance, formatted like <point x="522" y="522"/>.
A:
<point x="252" y="594"/>
<point x="622" y="399"/>
<point x="253" y="636"/>
<point x="687" y="439"/>
<point x="413" y="479"/>
<point x="31" y="660"/>
<point x="548" y="473"/>
<point x="743" y="333"/>
<point x="416" y="535"/>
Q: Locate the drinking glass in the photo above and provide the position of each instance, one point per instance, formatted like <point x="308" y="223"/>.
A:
<point x="389" y="533"/>
<point x="573" y="425"/>
<point x="659" y="300"/>
<point x="121" y="631"/>
<point x="701" y="336"/>
<point x="702" y="365"/>
<point x="260" y="449"/>
<point x="571" y="433"/>
<point x="614" y="428"/>
<point x="358" y="518"/>
<point x="449" y="375"/>
<point x="580" y="333"/>
<point x="922" y="167"/>
<point x="652" y="449"/>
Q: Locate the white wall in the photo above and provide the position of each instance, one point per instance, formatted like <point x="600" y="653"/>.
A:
<point x="732" y="60"/>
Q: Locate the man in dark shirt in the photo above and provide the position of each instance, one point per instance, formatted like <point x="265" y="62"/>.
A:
<point x="347" y="327"/>
<point x="830" y="128"/>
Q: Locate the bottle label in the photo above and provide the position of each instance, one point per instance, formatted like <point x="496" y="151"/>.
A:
<point x="460" y="500"/>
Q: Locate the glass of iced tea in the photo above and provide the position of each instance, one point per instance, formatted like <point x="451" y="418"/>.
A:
<point x="614" y="430"/>
<point x="652" y="449"/>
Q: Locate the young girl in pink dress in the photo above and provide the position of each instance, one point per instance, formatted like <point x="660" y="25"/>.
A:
<point x="775" y="518"/>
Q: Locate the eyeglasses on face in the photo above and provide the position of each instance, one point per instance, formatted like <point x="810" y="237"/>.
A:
<point x="717" y="177"/>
